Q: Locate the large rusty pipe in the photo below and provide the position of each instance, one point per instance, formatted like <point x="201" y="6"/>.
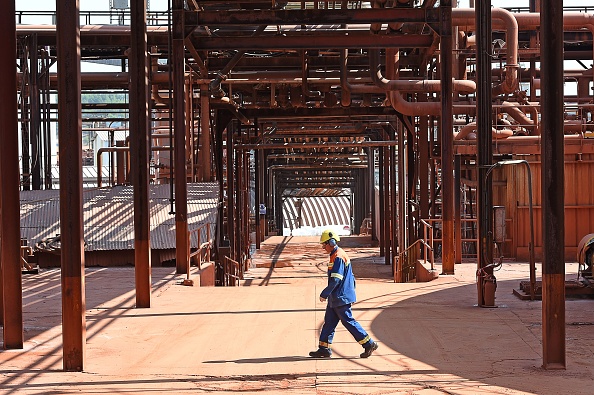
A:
<point x="397" y="100"/>
<point x="466" y="17"/>
<point x="513" y="111"/>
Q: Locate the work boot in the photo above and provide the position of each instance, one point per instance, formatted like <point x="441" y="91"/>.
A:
<point x="369" y="350"/>
<point x="321" y="352"/>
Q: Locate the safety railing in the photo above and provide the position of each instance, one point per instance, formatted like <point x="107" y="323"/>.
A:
<point x="467" y="243"/>
<point x="202" y="252"/>
<point x="26" y="251"/>
<point x="231" y="272"/>
<point x="407" y="259"/>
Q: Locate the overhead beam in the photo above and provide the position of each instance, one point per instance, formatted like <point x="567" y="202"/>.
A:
<point x="316" y="40"/>
<point x="320" y="144"/>
<point x="311" y="16"/>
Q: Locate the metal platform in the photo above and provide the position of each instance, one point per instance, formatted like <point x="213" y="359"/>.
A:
<point x="583" y="287"/>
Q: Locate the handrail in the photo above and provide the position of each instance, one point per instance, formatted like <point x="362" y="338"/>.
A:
<point x="231" y="272"/>
<point x="427" y="228"/>
<point x="433" y="239"/>
<point x="398" y="276"/>
<point x="203" y="249"/>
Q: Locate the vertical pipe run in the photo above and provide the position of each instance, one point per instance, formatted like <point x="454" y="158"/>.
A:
<point x="71" y="198"/>
<point x="140" y="145"/>
<point x="35" y="121"/>
<point x="182" y="245"/>
<point x="11" y="292"/>
<point x="25" y="116"/>
<point x="553" y="219"/>
<point x="447" y="144"/>
<point x="485" y="150"/>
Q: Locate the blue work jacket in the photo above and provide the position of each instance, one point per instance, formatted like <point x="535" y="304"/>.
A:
<point x="341" y="281"/>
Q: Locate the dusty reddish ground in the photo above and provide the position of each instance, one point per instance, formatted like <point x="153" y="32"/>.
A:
<point x="255" y="338"/>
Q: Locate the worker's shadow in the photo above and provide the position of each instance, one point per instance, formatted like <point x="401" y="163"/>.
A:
<point x="294" y="358"/>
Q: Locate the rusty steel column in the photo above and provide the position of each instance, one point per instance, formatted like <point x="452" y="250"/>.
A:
<point x="387" y="213"/>
<point x="381" y="207"/>
<point x="485" y="149"/>
<point x="553" y="176"/>
<point x="182" y="244"/>
<point x="457" y="209"/>
<point x="71" y="197"/>
<point x="140" y="147"/>
<point x="371" y="192"/>
<point x="424" y="193"/>
<point x="11" y="291"/>
<point x="205" y="151"/>
<point x="447" y="139"/>
<point x="230" y="189"/>
<point x="400" y="202"/>
<point x="258" y="195"/>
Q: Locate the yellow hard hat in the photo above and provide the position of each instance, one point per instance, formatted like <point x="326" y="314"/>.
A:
<point x="327" y="235"/>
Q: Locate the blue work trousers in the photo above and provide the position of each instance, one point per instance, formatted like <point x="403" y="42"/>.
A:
<point x="345" y="315"/>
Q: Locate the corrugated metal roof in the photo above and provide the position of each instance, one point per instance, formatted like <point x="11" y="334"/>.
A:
<point x="117" y="135"/>
<point x="109" y="214"/>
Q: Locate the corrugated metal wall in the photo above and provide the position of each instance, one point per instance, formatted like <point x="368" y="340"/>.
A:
<point x="579" y="205"/>
<point x="316" y="212"/>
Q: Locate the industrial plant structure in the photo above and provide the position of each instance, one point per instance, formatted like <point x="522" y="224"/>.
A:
<point x="460" y="133"/>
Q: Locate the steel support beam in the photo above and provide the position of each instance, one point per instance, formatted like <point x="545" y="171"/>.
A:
<point x="205" y="151"/>
<point x="311" y="16"/>
<point x="71" y="197"/>
<point x="321" y="40"/>
<point x="485" y="154"/>
<point x="140" y="146"/>
<point x="553" y="177"/>
<point x="447" y="148"/>
<point x="182" y="243"/>
<point x="321" y="144"/>
<point x="457" y="209"/>
<point x="11" y="291"/>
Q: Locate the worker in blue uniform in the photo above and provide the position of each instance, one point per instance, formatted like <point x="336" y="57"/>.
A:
<point x="340" y="294"/>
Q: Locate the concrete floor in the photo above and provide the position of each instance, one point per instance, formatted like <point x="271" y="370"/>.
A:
<point x="256" y="338"/>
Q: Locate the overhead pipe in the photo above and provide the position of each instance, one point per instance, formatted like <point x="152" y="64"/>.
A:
<point x="465" y="17"/>
<point x="467" y="130"/>
<point x="215" y="84"/>
<point x="392" y="87"/>
<point x="513" y="111"/>
<point x="571" y="21"/>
